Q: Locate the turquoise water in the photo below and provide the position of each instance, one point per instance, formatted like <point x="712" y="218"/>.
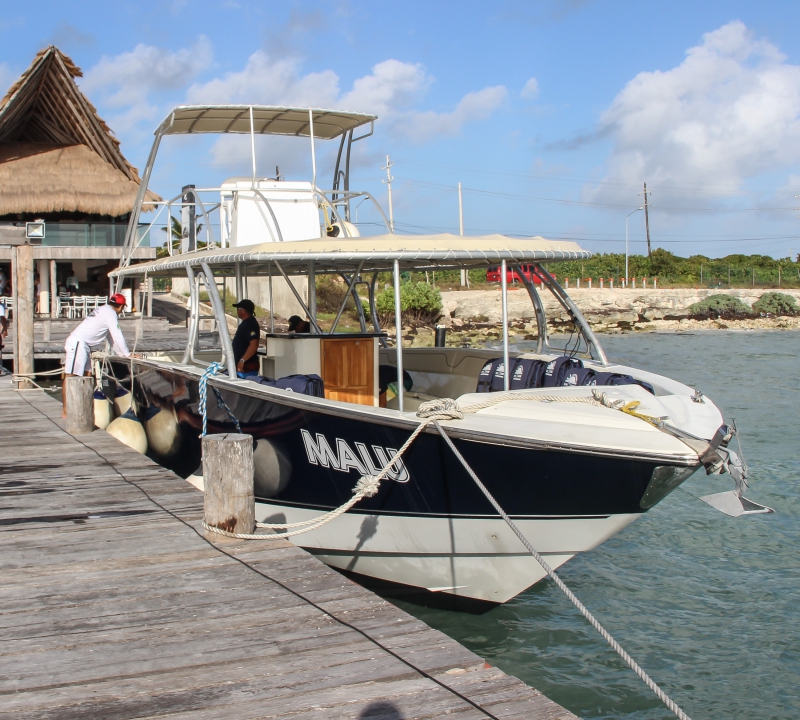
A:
<point x="709" y="605"/>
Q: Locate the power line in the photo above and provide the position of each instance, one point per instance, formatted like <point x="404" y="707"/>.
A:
<point x="614" y="182"/>
<point x="413" y="229"/>
<point x="528" y="198"/>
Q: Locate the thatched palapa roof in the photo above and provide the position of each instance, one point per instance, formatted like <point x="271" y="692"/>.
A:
<point x="56" y="153"/>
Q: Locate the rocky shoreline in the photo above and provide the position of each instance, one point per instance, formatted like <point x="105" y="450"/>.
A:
<point x="473" y="316"/>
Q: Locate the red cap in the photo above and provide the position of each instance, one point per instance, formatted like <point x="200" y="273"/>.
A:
<point x="117" y="299"/>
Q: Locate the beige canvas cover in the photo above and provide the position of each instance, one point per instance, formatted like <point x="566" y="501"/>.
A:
<point x="267" y="120"/>
<point x="378" y="252"/>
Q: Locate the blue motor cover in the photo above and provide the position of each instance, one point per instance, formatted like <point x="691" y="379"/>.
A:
<point x="579" y="376"/>
<point x="488" y="380"/>
<point x="527" y="373"/>
<point x="608" y="378"/>
<point x="556" y="370"/>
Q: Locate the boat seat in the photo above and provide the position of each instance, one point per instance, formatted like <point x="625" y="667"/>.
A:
<point x="411" y="401"/>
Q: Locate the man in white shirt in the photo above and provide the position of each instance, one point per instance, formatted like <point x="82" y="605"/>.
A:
<point x="90" y="335"/>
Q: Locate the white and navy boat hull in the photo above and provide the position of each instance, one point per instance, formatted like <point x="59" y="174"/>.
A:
<point x="429" y="526"/>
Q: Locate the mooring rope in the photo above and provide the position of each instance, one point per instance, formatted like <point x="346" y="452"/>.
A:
<point x="367" y="486"/>
<point x="660" y="694"/>
<point x="212" y="370"/>
<point x="448" y="409"/>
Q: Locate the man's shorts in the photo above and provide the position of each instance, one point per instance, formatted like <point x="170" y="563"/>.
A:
<point x="78" y="357"/>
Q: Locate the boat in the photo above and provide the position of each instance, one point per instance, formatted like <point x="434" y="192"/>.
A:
<point x="571" y="460"/>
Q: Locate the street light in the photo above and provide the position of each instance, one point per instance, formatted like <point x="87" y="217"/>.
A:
<point x="641" y="207"/>
<point x="357" y="206"/>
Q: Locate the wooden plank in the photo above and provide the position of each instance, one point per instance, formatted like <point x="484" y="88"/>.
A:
<point x="136" y="614"/>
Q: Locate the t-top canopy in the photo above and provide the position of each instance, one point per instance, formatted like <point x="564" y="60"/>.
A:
<point x="267" y="120"/>
<point x="377" y="252"/>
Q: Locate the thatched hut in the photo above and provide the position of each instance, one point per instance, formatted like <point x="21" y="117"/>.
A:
<point x="60" y="162"/>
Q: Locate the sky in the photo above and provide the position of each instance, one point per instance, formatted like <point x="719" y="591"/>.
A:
<point x="551" y="114"/>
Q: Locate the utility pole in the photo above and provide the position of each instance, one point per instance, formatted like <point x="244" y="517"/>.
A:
<point x="388" y="182"/>
<point x="646" y="220"/>
<point x="464" y="273"/>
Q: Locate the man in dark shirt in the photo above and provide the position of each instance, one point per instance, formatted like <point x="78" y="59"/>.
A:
<point x="245" y="342"/>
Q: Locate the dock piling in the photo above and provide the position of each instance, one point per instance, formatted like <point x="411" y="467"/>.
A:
<point x="229" y="503"/>
<point x="80" y="404"/>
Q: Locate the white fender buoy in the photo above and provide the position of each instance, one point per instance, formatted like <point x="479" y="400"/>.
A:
<point x="122" y="401"/>
<point x="103" y="412"/>
<point x="163" y="431"/>
<point x="129" y="431"/>
<point x="272" y="469"/>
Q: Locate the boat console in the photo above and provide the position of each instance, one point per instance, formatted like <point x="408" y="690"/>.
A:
<point x="346" y="362"/>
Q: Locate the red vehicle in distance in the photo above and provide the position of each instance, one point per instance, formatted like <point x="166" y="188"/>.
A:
<point x="512" y="276"/>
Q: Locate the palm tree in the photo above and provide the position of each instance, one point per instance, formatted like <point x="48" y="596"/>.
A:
<point x="177" y="235"/>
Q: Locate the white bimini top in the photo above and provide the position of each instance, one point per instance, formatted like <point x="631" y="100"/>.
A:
<point x="97" y="327"/>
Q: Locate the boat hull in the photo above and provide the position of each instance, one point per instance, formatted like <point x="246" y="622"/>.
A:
<point x="466" y="556"/>
<point x="429" y="526"/>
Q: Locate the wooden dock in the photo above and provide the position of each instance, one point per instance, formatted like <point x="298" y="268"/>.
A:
<point x="114" y="605"/>
<point x="166" y="331"/>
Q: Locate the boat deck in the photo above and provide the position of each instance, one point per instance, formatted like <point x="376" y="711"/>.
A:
<point x="114" y="604"/>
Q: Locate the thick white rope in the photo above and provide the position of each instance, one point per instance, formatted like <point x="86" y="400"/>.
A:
<point x="562" y="586"/>
<point x="367" y="486"/>
<point x="41" y="373"/>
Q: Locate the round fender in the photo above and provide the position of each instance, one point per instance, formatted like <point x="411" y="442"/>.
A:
<point x="273" y="469"/>
<point x="103" y="410"/>
<point x="163" y="431"/>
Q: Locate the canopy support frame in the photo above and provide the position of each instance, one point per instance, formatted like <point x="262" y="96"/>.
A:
<point x="504" y="300"/>
<point x="577" y="316"/>
<point x="222" y="323"/>
<point x="538" y="309"/>
<point x="299" y="298"/>
<point x="350" y="284"/>
<point x="398" y="328"/>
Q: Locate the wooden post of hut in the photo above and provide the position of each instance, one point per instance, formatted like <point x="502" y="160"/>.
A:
<point x="23" y="314"/>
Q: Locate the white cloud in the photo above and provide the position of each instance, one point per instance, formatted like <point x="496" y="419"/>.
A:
<point x="730" y="111"/>
<point x="391" y="86"/>
<point x="267" y="81"/>
<point x="423" y="126"/>
<point x="392" y="90"/>
<point x="130" y="79"/>
<point x="137" y="84"/>
<point x="530" y="91"/>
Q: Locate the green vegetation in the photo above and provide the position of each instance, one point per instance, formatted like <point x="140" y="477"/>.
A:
<point x="775" y="303"/>
<point x="695" y="271"/>
<point x="717" y="307"/>
<point x="419" y="302"/>
<point x="331" y="291"/>
<point x="671" y="270"/>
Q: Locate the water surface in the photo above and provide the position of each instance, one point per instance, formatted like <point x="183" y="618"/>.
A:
<point x="707" y="604"/>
